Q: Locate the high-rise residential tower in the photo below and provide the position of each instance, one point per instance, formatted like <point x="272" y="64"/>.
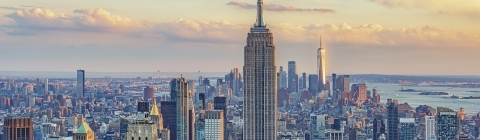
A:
<point x="292" y="77"/>
<point x="430" y="127"/>
<point x="321" y="67"/>
<point x="260" y="82"/>
<point x="81" y="83"/>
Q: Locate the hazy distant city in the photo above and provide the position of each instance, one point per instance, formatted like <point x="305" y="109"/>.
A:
<point x="261" y="99"/>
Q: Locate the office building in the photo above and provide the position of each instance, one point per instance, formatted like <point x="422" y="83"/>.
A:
<point x="343" y="83"/>
<point x="430" y="128"/>
<point x="169" y="113"/>
<point x="392" y="121"/>
<point x="334" y="87"/>
<point x="148" y="93"/>
<point x="46" y="86"/>
<point x="313" y="84"/>
<point x="378" y="127"/>
<point x="81" y="83"/>
<point x="260" y="82"/>
<point x="17" y="129"/>
<point x="214" y="125"/>
<point x="220" y="103"/>
<point x="282" y="78"/>
<point x="304" y="81"/>
<point x="292" y="77"/>
<point x="234" y="81"/>
<point x="142" y="129"/>
<point x="447" y="124"/>
<point x="360" y="92"/>
<point x="321" y="67"/>
<point x="84" y="132"/>
<point x="185" y="110"/>
<point x="317" y="126"/>
<point x="407" y="128"/>
<point x="173" y="89"/>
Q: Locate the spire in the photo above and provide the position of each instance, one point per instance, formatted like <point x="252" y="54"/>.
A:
<point x="260" y="22"/>
<point x="320" y="42"/>
<point x="154" y="110"/>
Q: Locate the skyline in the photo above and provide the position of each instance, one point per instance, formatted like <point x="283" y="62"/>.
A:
<point x="125" y="38"/>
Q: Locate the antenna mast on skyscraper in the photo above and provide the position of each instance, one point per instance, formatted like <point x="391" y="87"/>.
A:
<point x="321" y="42"/>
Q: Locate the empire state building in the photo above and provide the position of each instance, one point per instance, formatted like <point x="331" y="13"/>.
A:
<point x="260" y="82"/>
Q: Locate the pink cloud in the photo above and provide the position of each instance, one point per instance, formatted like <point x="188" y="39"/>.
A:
<point x="224" y="32"/>
<point x="469" y="8"/>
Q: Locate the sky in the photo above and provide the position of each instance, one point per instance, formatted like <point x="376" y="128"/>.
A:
<point x="426" y="37"/>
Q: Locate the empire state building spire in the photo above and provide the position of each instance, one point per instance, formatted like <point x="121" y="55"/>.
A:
<point x="260" y="22"/>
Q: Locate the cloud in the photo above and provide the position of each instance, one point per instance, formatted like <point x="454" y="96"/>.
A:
<point x="470" y="8"/>
<point x="29" y="6"/>
<point x="9" y="8"/>
<point x="218" y="33"/>
<point x="83" y="20"/>
<point x="279" y="8"/>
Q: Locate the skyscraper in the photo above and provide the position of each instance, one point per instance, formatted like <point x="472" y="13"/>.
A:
<point x="292" y="77"/>
<point x="407" y="128"/>
<point x="46" y="86"/>
<point x="392" y="121"/>
<point x="313" y="84"/>
<point x="282" y="78"/>
<point x="304" y="81"/>
<point x="81" y="83"/>
<point x="430" y="127"/>
<point x="214" y="125"/>
<point x="185" y="111"/>
<point x="317" y="126"/>
<point x="17" y="129"/>
<point x="447" y="124"/>
<point x="156" y="116"/>
<point x="321" y="66"/>
<point x="378" y="127"/>
<point x="260" y="79"/>
<point x="168" y="110"/>
<point x="360" y="92"/>
<point x="148" y="93"/>
<point x="173" y="89"/>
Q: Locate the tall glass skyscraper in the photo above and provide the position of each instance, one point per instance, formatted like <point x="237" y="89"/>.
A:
<point x="260" y="82"/>
<point x="185" y="110"/>
<point x="81" y="83"/>
<point x="321" y="67"/>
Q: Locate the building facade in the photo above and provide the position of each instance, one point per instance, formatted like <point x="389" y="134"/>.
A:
<point x="392" y="121"/>
<point x="81" y="83"/>
<point x="18" y="129"/>
<point x="260" y="83"/>
<point x="184" y="110"/>
<point x="447" y="124"/>
<point x="430" y="128"/>
<point x="214" y="125"/>
<point x="407" y="128"/>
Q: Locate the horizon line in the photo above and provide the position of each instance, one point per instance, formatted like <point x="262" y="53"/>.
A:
<point x="387" y="74"/>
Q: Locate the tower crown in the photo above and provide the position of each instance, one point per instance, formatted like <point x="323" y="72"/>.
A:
<point x="154" y="110"/>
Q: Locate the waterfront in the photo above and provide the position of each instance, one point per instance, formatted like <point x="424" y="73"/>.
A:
<point x="387" y="91"/>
